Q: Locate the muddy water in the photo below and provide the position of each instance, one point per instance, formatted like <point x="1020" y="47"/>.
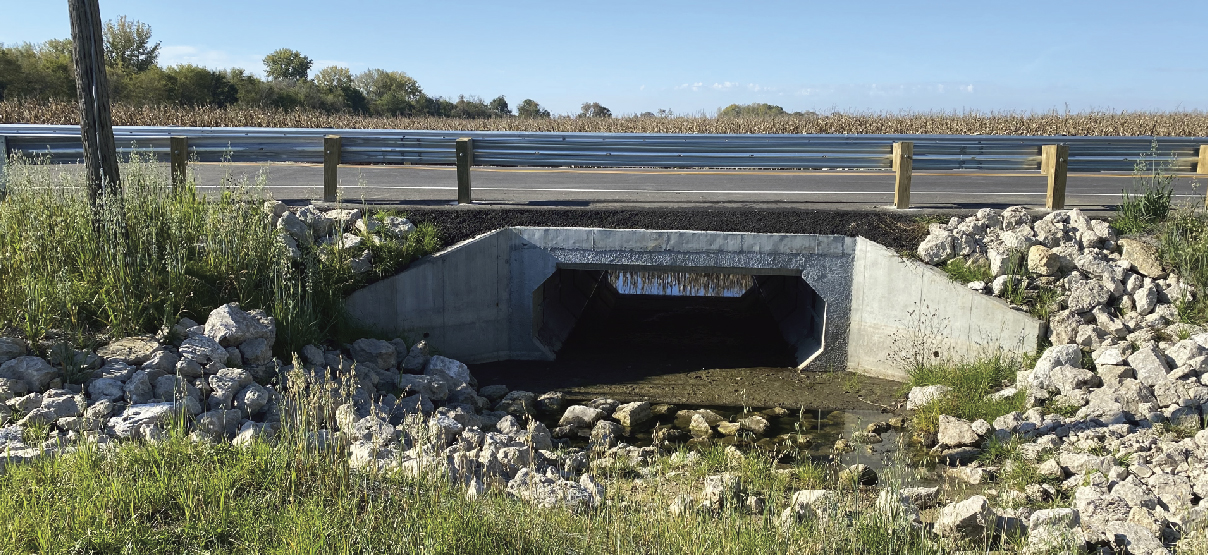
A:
<point x="721" y="353"/>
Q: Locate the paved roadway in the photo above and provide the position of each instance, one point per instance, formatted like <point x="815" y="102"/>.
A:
<point x="436" y="185"/>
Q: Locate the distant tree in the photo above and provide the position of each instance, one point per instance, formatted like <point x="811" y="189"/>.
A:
<point x="287" y="64"/>
<point x="594" y="110"/>
<point x="389" y="92"/>
<point x="754" y="110"/>
<point x="500" y="106"/>
<point x="128" y="45"/>
<point x="529" y="108"/>
<point x="198" y="86"/>
<point x="333" y="77"/>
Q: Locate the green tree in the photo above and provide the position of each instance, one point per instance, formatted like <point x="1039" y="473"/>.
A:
<point x="198" y="86"/>
<point x="128" y="45"/>
<point x="287" y="64"/>
<point x="338" y="81"/>
<point x="333" y="78"/>
<point x="529" y="108"/>
<point x="389" y="92"/>
<point x="500" y="106"/>
<point x="594" y="110"/>
<point x="753" y="110"/>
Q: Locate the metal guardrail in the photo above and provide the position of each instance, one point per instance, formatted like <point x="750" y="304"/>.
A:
<point x="497" y="148"/>
<point x="61" y="143"/>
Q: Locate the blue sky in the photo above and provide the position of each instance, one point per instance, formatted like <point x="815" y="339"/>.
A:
<point x="697" y="56"/>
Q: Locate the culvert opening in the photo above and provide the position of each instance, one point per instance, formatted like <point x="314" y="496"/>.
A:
<point x="670" y="322"/>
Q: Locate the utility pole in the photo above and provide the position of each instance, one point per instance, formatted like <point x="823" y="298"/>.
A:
<point x="92" y="86"/>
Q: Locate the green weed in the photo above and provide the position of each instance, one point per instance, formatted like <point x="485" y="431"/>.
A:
<point x="1149" y="201"/>
<point x="971" y="382"/>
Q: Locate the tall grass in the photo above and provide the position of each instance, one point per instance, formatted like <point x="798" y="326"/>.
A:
<point x="1096" y="123"/>
<point x="290" y="496"/>
<point x="153" y="253"/>
<point x="1149" y="201"/>
<point x="971" y="382"/>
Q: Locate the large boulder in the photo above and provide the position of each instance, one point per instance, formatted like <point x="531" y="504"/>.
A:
<point x="956" y="432"/>
<point x="1143" y="257"/>
<point x="968" y="520"/>
<point x="546" y="492"/>
<point x="11" y="348"/>
<point x="633" y="414"/>
<point x="937" y="248"/>
<point x="131" y="350"/>
<point x="921" y="396"/>
<point x="203" y="350"/>
<point x="453" y="372"/>
<point x="1150" y="365"/>
<point x="34" y="371"/>
<point x="1059" y="355"/>
<point x="138" y="420"/>
<point x="230" y="325"/>
<point x="580" y="416"/>
<point x="376" y="352"/>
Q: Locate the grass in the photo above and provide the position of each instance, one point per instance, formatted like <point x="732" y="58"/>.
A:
<point x="971" y="382"/>
<point x="1149" y="201"/>
<point x="182" y="496"/>
<point x="1096" y="123"/>
<point x="154" y="253"/>
<point x="961" y="271"/>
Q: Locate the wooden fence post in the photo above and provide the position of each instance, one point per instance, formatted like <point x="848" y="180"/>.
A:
<point x="1056" y="161"/>
<point x="1200" y="168"/>
<point x="1044" y="160"/>
<point x="903" y="165"/>
<point x="331" y="166"/>
<point x="3" y="163"/>
<point x="179" y="148"/>
<point x="465" y="159"/>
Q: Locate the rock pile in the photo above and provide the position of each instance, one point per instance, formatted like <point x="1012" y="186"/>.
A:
<point x="1132" y="459"/>
<point x="339" y="228"/>
<point x="1109" y="290"/>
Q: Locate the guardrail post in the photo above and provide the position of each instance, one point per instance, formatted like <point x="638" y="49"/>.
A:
<point x="179" y="149"/>
<point x="331" y="166"/>
<point x="465" y="159"/>
<point x="3" y="163"/>
<point x="1055" y="161"/>
<point x="1200" y="168"/>
<point x="903" y="165"/>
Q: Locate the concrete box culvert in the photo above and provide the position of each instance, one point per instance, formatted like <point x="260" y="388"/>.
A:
<point x="844" y="302"/>
<point x="569" y="295"/>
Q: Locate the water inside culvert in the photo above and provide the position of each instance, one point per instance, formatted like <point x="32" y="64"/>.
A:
<point x="696" y="342"/>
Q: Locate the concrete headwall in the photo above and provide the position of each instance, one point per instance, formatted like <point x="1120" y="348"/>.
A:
<point x="481" y="300"/>
<point x="902" y="308"/>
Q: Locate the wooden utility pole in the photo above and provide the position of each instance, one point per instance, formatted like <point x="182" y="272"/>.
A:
<point x="92" y="86"/>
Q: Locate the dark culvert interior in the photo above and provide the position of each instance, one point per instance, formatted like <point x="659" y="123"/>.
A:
<point x="717" y="339"/>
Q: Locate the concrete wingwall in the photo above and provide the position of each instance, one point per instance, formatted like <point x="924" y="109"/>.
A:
<point x="902" y="309"/>
<point x="480" y="300"/>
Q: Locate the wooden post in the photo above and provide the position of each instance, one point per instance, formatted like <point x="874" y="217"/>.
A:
<point x="1056" y="161"/>
<point x="3" y="163"/>
<point x="331" y="166"/>
<point x="903" y="165"/>
<point x="1201" y="167"/>
<point x="179" y="147"/>
<point x="465" y="159"/>
<point x="1044" y="161"/>
<point x="92" y="87"/>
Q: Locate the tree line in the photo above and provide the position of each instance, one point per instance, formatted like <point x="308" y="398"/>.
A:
<point x="44" y="71"/>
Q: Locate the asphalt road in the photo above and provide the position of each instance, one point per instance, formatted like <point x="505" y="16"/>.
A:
<point x="844" y="190"/>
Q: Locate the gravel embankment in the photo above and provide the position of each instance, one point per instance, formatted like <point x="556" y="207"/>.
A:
<point x="897" y="231"/>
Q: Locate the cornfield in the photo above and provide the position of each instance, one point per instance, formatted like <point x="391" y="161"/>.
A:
<point x="1104" y="123"/>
